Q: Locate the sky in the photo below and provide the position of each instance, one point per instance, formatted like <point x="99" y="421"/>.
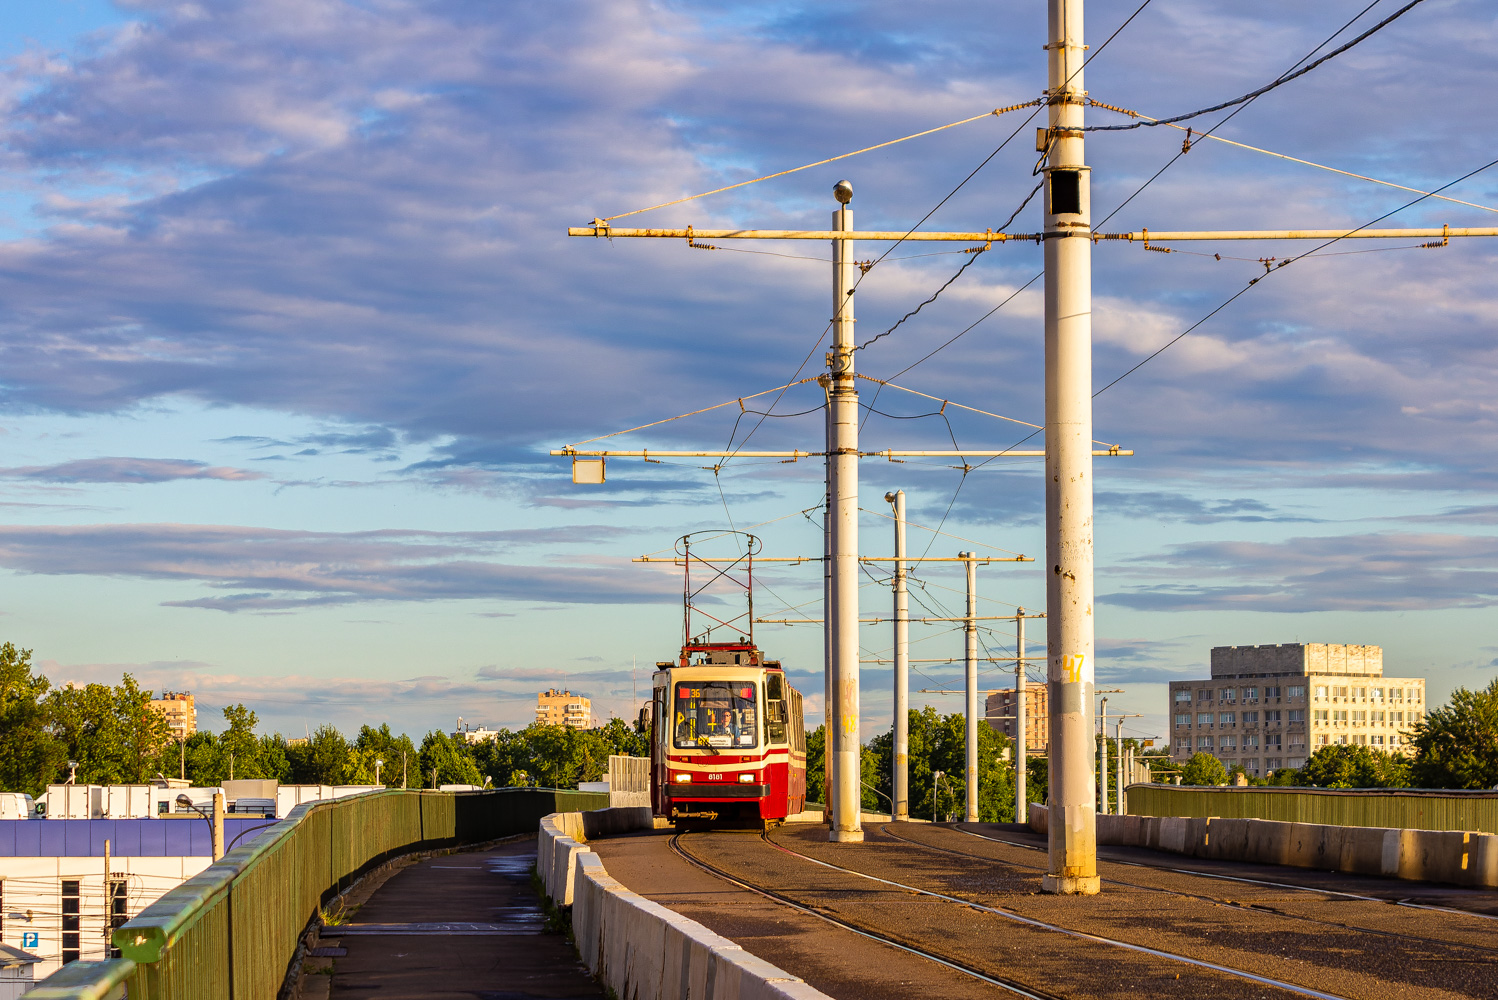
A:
<point x="289" y="322"/>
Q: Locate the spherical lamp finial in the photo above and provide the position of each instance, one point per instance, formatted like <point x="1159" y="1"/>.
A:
<point x="843" y="191"/>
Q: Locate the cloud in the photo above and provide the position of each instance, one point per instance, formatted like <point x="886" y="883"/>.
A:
<point x="1373" y="572"/>
<point x="279" y="570"/>
<point x="1165" y="506"/>
<point x="127" y="470"/>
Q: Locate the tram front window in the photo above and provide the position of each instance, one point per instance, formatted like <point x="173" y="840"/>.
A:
<point x="716" y="714"/>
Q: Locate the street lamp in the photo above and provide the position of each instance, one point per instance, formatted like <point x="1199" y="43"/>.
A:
<point x="215" y="822"/>
<point x="378" y="764"/>
<point x="936" y="777"/>
<point x="72" y="771"/>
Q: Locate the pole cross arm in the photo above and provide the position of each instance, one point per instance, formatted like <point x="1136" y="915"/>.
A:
<point x="1428" y="233"/>
<point x="898" y="235"/>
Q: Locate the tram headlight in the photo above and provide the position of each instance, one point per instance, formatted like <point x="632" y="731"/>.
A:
<point x="747" y="778"/>
<point x="682" y="778"/>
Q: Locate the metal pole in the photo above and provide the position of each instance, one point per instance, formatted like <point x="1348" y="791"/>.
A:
<point x="1021" y="738"/>
<point x="1072" y="861"/>
<point x="843" y="455"/>
<point x="902" y="667"/>
<point x="218" y="825"/>
<point x="1118" y="747"/>
<point x="829" y="643"/>
<point x="1102" y="771"/>
<point x="970" y="627"/>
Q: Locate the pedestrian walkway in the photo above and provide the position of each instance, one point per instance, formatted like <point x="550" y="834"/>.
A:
<point x="458" y="926"/>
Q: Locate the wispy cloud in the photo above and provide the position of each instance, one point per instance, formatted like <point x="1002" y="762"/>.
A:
<point x="278" y="570"/>
<point x="1374" y="572"/>
<point x="127" y="470"/>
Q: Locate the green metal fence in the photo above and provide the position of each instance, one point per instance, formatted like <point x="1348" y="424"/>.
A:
<point x="231" y="932"/>
<point x="1405" y="808"/>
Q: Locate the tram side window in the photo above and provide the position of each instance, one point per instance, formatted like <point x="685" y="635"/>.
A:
<point x="716" y="714"/>
<point x="775" y="714"/>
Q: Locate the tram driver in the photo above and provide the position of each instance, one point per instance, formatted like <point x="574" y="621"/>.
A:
<point x="716" y="714"/>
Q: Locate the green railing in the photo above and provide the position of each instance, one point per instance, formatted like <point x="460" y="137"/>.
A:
<point x="1403" y="808"/>
<point x="231" y="932"/>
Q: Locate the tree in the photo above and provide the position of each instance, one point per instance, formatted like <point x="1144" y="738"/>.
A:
<point x="322" y="760"/>
<point x="1456" y="746"/>
<point x="1203" y="769"/>
<point x="939" y="743"/>
<point x="1353" y="766"/>
<point x="451" y="762"/>
<point x="382" y="744"/>
<point x="29" y="755"/>
<point x="816" y="765"/>
<point x="112" y="733"/>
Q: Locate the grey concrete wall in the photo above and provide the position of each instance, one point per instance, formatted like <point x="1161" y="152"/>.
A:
<point x="1457" y="857"/>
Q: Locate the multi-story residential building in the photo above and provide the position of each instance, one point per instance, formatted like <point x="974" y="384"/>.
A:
<point x="563" y="708"/>
<point x="180" y="712"/>
<point x="1000" y="714"/>
<point x="1267" y="707"/>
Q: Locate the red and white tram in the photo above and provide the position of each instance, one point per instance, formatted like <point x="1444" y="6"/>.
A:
<point x="727" y="738"/>
<point x="728" y="744"/>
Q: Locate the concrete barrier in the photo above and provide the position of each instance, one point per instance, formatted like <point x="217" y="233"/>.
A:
<point x="640" y="949"/>
<point x="1461" y="858"/>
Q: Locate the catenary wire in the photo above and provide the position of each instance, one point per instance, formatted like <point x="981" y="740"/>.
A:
<point x="1278" y="82"/>
<point x="1283" y="263"/>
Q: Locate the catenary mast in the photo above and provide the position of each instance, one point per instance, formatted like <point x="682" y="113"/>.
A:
<point x="1072" y="866"/>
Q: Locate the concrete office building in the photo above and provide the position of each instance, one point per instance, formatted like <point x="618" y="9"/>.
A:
<point x="180" y="712"/>
<point x="1267" y="707"/>
<point x="563" y="708"/>
<point x="1000" y="714"/>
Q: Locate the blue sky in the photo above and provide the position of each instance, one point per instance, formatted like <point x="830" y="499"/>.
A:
<point x="289" y="322"/>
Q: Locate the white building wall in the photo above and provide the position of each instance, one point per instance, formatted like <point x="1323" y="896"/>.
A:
<point x="32" y="889"/>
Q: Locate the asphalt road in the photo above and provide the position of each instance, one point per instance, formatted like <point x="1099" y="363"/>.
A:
<point x="1310" y="930"/>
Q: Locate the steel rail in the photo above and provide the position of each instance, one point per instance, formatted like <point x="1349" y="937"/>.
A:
<point x="1251" y="881"/>
<point x="1068" y="932"/>
<point x="1216" y="901"/>
<point x="711" y="869"/>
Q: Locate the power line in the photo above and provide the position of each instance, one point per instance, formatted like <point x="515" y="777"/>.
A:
<point x="1283" y="263"/>
<point x="1186" y="146"/>
<point x="1279" y="82"/>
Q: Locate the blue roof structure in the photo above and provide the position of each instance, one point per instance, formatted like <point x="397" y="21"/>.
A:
<point x="128" y="838"/>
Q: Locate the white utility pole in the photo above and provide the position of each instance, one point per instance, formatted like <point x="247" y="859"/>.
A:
<point x="1072" y="862"/>
<point x="842" y="461"/>
<point x="1119" y="755"/>
<point x="974" y="719"/>
<point x="1021" y="747"/>
<point x="1102" y="771"/>
<point x="901" y="776"/>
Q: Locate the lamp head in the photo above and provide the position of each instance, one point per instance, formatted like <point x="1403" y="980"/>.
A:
<point x="889" y="498"/>
<point x="843" y="191"/>
<point x="184" y="801"/>
<point x="73" y="765"/>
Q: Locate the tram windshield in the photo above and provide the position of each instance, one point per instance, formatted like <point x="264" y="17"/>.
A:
<point x="716" y="714"/>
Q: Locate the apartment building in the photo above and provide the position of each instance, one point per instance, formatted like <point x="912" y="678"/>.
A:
<point x="563" y="708"/>
<point x="180" y="712"/>
<point x="1000" y="714"/>
<point x="1268" y="707"/>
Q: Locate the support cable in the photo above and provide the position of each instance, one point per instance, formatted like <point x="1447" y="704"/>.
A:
<point x="1186" y="146"/>
<point x="830" y="159"/>
<point x="1288" y="260"/>
<point x="1279" y="82"/>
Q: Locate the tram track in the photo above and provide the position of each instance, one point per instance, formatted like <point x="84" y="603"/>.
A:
<point x="1221" y="877"/>
<point x="1236" y="904"/>
<point x="1010" y="985"/>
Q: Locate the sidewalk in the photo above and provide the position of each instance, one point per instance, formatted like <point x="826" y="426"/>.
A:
<point x="458" y="926"/>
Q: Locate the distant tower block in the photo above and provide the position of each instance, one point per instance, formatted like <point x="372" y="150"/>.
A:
<point x="1268" y="707"/>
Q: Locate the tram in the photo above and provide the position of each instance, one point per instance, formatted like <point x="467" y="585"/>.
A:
<point x="727" y="739"/>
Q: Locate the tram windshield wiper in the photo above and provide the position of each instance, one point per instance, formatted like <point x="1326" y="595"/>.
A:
<point x="702" y="742"/>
